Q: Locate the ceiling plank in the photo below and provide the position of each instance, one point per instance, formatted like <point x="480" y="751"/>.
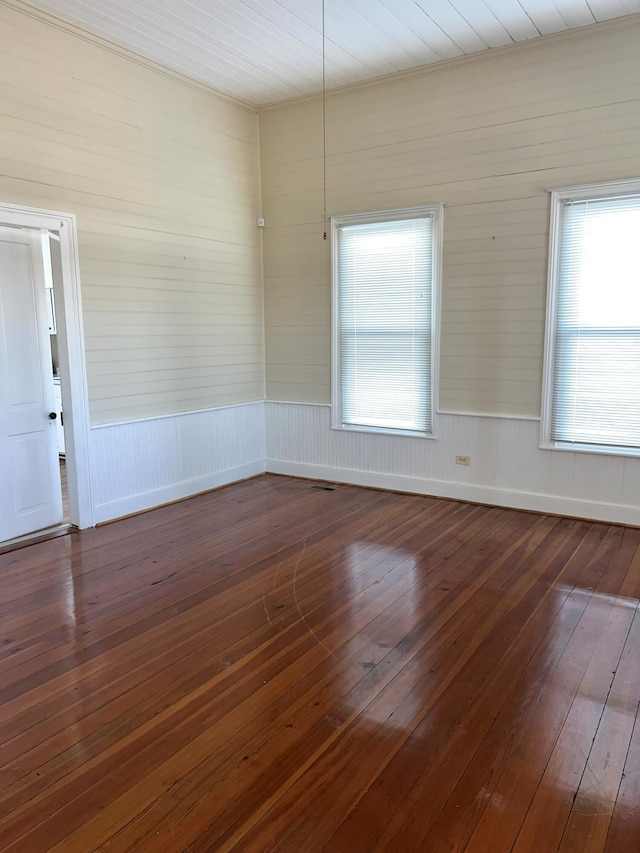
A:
<point x="264" y="51"/>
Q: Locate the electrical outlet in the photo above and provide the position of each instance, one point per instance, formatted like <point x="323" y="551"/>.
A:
<point x="463" y="460"/>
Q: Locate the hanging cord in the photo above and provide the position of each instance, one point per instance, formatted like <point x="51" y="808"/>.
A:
<point x="324" y="123"/>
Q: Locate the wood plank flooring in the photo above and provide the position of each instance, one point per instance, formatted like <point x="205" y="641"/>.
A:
<point x="271" y="667"/>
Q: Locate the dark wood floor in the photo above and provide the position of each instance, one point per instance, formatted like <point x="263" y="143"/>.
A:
<point x="275" y="668"/>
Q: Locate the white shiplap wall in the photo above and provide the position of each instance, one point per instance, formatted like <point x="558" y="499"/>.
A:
<point x="164" y="179"/>
<point x="163" y="176"/>
<point x="487" y="136"/>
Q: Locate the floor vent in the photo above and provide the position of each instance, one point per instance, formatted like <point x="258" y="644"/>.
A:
<point x="323" y="488"/>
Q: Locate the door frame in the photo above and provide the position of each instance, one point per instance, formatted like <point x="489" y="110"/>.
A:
<point x="71" y="352"/>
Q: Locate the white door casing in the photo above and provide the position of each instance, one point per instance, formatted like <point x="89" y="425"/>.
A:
<point x="71" y="349"/>
<point x="30" y="496"/>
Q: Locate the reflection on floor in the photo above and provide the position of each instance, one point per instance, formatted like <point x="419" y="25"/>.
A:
<point x="65" y="493"/>
<point x="273" y="667"/>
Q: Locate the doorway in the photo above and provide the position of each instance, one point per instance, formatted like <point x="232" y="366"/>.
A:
<point x="52" y="267"/>
<point x="60" y="230"/>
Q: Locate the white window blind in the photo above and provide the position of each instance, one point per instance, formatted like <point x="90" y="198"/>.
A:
<point x="596" y="357"/>
<point x="385" y="305"/>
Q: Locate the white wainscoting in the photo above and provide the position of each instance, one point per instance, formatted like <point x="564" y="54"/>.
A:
<point x="507" y="466"/>
<point x="142" y="464"/>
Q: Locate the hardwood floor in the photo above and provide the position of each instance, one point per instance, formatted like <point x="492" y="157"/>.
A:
<point x="271" y="667"/>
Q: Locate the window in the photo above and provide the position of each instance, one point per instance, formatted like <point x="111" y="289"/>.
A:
<point x="592" y="362"/>
<point x="386" y="269"/>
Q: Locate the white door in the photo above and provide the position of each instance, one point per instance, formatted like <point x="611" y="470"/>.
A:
<point x="30" y="492"/>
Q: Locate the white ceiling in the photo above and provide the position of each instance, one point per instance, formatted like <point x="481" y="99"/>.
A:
<point x="268" y="50"/>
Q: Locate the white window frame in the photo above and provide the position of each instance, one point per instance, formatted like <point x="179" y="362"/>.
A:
<point x="435" y="211"/>
<point x="558" y="196"/>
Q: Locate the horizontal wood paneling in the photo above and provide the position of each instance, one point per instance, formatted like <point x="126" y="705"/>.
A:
<point x="163" y="177"/>
<point x="488" y="138"/>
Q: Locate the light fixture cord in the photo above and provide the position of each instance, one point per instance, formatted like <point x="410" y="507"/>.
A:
<point x="324" y="123"/>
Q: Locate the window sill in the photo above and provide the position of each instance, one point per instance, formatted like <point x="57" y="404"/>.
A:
<point x="382" y="431"/>
<point x="598" y="449"/>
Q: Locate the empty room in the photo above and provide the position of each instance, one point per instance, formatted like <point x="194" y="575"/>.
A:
<point x="320" y="426"/>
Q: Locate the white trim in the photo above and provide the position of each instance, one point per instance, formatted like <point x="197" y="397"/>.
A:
<point x="436" y="212"/>
<point x="387" y="215"/>
<point x="390" y="433"/>
<point x="335" y="418"/>
<point x="628" y="186"/>
<point x="176" y="491"/>
<point x="598" y="449"/>
<point x="298" y="403"/>
<point x="558" y="195"/>
<point x="438" y="244"/>
<point x="71" y="351"/>
<point x="550" y="321"/>
<point x="177" y="414"/>
<point x="508" y="498"/>
<point x="500" y="415"/>
<point x="261" y="229"/>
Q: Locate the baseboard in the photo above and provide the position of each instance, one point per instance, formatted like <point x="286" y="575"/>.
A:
<point x="593" y="510"/>
<point x="175" y="492"/>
